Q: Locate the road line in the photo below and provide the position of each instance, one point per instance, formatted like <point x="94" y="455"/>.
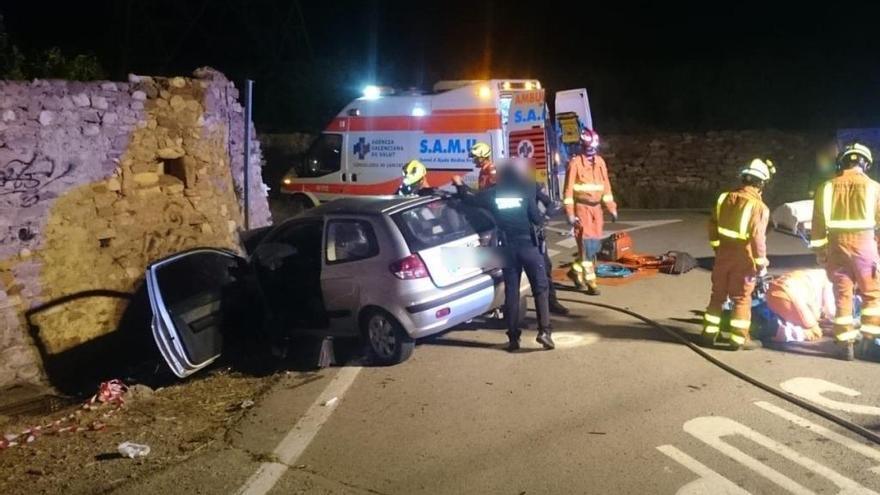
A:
<point x="301" y="435"/>
<point x="865" y="450"/>
<point x="552" y="252"/>
<point x="568" y="243"/>
<point x="710" y="482"/>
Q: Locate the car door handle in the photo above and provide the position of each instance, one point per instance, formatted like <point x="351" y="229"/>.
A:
<point x="354" y="177"/>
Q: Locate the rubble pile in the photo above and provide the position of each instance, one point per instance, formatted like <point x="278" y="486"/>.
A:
<point x="96" y="181"/>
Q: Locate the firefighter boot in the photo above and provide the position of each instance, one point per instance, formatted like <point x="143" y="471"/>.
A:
<point x="576" y="274"/>
<point x="545" y="339"/>
<point x="593" y="288"/>
<point x="847" y="351"/>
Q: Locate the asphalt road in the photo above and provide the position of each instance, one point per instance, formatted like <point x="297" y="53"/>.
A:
<point x="619" y="407"/>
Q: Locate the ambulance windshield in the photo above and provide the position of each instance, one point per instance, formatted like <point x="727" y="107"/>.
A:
<point x="324" y="156"/>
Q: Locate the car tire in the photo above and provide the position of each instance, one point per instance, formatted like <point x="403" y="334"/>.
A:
<point x="387" y="341"/>
<point x="523" y="312"/>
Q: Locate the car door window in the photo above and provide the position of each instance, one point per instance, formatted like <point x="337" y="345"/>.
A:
<point x="350" y="240"/>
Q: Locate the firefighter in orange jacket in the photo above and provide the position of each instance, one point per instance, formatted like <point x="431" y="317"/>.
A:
<point x="738" y="233"/>
<point x="481" y="154"/>
<point x="587" y="189"/>
<point x="415" y="178"/>
<point x="845" y="214"/>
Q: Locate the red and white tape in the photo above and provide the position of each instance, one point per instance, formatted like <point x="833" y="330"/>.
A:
<point x="110" y="393"/>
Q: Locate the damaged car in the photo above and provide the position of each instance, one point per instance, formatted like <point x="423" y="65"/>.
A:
<point x="375" y="268"/>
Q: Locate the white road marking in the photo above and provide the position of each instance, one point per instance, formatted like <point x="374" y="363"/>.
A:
<point x="301" y="435"/>
<point x="568" y="243"/>
<point x="812" y="389"/>
<point x="552" y="252"/>
<point x="849" y="443"/>
<point x="709" y="482"/>
<point x="712" y="430"/>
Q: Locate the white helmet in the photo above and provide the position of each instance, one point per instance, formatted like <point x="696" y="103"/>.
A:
<point x="760" y="169"/>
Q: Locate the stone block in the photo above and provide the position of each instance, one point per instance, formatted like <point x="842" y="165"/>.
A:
<point x="149" y="191"/>
<point x="8" y="115"/>
<point x="47" y="117"/>
<point x="100" y="103"/>
<point x="146" y="178"/>
<point x="171" y="184"/>
<point x="170" y="152"/>
<point x="81" y="100"/>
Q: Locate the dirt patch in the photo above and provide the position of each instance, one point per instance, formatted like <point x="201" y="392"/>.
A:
<point x="177" y="422"/>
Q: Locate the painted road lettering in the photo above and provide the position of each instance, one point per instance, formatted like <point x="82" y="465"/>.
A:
<point x="813" y="390"/>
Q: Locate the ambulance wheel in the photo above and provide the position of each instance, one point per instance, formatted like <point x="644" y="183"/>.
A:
<point x="299" y="203"/>
<point x="387" y="341"/>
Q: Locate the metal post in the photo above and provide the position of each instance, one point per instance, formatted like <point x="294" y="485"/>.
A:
<point x="248" y="103"/>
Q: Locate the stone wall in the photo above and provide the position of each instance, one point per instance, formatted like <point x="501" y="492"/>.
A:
<point x="96" y="181"/>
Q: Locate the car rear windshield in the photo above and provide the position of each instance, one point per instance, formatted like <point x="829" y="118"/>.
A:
<point x="440" y="222"/>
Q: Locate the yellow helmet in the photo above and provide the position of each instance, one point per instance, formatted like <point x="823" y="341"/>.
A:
<point x="481" y="150"/>
<point x="413" y="172"/>
<point x="854" y="154"/>
<point x="760" y="169"/>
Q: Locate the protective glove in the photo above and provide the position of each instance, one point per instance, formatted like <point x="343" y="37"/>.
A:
<point x="762" y="271"/>
<point x="572" y="220"/>
<point x="614" y="218"/>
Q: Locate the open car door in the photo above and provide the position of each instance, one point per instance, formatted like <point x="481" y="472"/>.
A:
<point x="190" y="297"/>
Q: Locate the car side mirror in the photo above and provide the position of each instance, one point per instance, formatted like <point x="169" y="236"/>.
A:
<point x="272" y="254"/>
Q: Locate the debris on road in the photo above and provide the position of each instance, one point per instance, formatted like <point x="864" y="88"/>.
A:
<point x="133" y="450"/>
<point x="330" y="402"/>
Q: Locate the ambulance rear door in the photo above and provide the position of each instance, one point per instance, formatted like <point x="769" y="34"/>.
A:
<point x="527" y="137"/>
<point x="577" y="101"/>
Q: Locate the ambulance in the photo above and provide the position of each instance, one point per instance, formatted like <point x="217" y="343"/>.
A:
<point x="364" y="148"/>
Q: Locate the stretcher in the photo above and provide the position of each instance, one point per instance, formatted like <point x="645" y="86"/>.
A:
<point x="793" y="218"/>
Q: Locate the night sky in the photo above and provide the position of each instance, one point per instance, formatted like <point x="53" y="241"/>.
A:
<point x="712" y="65"/>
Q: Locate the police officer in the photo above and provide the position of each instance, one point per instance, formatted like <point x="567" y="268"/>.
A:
<point x="513" y="205"/>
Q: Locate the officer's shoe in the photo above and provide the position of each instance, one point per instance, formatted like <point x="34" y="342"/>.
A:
<point x="557" y="308"/>
<point x="847" y="351"/>
<point x="545" y="339"/>
<point x="593" y="290"/>
<point x="513" y="345"/>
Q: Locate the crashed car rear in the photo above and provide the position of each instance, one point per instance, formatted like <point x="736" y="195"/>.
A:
<point x="375" y="268"/>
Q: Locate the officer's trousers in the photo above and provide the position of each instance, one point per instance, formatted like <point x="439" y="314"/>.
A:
<point x="529" y="259"/>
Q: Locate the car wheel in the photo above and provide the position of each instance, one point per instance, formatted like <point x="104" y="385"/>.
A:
<point x="523" y="312"/>
<point x="387" y="340"/>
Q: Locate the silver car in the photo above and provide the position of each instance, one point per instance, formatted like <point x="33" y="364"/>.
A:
<point x="390" y="270"/>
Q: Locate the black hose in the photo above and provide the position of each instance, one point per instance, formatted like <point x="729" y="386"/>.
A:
<point x="849" y="425"/>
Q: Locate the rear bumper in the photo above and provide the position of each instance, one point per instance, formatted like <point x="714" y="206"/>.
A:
<point x="420" y="318"/>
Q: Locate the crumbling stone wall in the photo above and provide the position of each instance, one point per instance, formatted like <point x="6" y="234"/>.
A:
<point x="688" y="170"/>
<point x="96" y="181"/>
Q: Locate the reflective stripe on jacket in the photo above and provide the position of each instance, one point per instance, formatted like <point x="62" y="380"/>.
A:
<point x="740" y="217"/>
<point x="586" y="182"/>
<point x="848" y="202"/>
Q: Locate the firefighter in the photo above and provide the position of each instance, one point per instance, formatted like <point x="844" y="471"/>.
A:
<point x="481" y="154"/>
<point x="737" y="233"/>
<point x="587" y="190"/>
<point x="414" y="178"/>
<point x="513" y="205"/>
<point x="845" y="214"/>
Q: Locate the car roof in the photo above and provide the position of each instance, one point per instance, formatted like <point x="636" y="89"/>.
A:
<point x="373" y="205"/>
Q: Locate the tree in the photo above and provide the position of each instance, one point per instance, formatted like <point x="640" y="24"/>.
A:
<point x="50" y="63"/>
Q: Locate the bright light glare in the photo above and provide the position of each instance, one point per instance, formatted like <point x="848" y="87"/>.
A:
<point x="418" y="112"/>
<point x="484" y="92"/>
<point x="537" y="84"/>
<point x="506" y="86"/>
<point x="372" y="92"/>
<point x="528" y="85"/>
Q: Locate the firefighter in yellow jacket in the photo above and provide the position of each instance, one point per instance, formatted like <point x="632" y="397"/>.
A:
<point x="845" y="214"/>
<point x="587" y="190"/>
<point x="737" y="232"/>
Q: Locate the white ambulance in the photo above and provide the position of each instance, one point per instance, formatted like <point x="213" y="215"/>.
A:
<point x="363" y="150"/>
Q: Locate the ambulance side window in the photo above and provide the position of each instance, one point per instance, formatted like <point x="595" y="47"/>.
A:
<point x="324" y="156"/>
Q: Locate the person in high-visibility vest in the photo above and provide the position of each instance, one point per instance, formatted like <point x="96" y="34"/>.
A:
<point x="481" y="154"/>
<point x="737" y="233"/>
<point x="587" y="190"/>
<point x="414" y="178"/>
<point x="845" y="214"/>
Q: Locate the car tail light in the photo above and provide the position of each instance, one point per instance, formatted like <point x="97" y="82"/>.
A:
<point x="441" y="313"/>
<point x="409" y="268"/>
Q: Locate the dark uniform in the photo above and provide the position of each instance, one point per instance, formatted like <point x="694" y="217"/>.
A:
<point x="514" y="207"/>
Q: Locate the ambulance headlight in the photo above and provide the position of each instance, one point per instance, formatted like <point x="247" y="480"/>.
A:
<point x="484" y="92"/>
<point x="287" y="181"/>
<point x="372" y="92"/>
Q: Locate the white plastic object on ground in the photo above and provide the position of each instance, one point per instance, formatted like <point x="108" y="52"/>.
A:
<point x="330" y="402"/>
<point x="133" y="450"/>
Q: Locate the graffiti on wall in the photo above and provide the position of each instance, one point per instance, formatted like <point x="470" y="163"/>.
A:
<point x="22" y="182"/>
